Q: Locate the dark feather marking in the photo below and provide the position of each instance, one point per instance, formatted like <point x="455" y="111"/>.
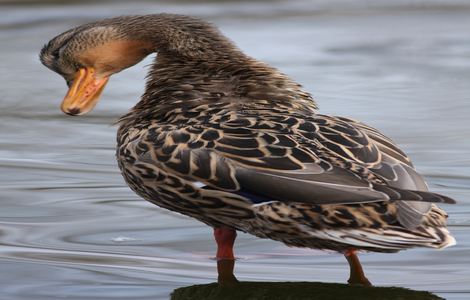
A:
<point x="195" y="145"/>
<point x="239" y="142"/>
<point x="180" y="137"/>
<point x="210" y="135"/>
<point x="240" y="152"/>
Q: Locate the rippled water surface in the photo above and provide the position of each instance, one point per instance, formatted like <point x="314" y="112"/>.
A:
<point x="70" y="227"/>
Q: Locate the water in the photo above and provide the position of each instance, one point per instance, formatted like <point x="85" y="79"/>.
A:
<point x="69" y="226"/>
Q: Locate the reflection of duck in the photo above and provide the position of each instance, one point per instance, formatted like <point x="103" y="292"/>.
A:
<point x="296" y="291"/>
<point x="236" y="144"/>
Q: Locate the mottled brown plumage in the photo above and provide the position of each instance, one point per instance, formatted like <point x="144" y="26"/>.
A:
<point x="232" y="142"/>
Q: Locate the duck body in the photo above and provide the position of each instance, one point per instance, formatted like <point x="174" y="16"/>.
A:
<point x="203" y="147"/>
<point x="236" y="144"/>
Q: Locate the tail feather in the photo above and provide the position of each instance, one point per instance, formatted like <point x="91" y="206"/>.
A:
<point x="389" y="239"/>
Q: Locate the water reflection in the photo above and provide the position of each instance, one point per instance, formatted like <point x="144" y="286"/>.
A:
<point x="229" y="287"/>
<point x="296" y="291"/>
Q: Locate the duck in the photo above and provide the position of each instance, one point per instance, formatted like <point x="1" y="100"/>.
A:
<point x="238" y="145"/>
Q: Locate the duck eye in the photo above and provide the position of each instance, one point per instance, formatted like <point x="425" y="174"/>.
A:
<point x="56" y="53"/>
<point x="78" y="66"/>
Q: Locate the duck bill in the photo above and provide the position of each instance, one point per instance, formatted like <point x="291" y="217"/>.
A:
<point x="84" y="92"/>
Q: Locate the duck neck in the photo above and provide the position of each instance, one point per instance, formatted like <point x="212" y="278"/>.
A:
<point x="177" y="36"/>
<point x="197" y="65"/>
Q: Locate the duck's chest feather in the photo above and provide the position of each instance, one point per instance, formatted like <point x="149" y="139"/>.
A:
<point x="143" y="159"/>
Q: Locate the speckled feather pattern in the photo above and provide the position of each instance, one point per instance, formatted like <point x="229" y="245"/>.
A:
<point x="230" y="141"/>
<point x="204" y="124"/>
<point x="210" y="142"/>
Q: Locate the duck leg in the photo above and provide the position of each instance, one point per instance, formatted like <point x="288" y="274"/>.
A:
<point x="356" y="273"/>
<point x="225" y="238"/>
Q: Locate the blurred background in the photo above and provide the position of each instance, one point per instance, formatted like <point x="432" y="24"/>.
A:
<point x="71" y="228"/>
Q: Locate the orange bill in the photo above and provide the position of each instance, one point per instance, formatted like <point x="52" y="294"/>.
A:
<point x="84" y="92"/>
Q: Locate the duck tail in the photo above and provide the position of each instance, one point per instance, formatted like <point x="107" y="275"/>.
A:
<point x="431" y="233"/>
<point x="434" y="225"/>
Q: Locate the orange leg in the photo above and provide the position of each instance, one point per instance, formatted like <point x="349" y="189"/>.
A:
<point x="225" y="238"/>
<point x="356" y="273"/>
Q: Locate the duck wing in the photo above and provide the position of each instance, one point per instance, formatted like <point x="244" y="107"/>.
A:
<point x="312" y="159"/>
<point x="396" y="169"/>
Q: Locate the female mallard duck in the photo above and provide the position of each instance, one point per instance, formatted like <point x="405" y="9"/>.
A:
<point x="234" y="143"/>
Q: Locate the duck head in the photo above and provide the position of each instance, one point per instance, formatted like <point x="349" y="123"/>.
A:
<point x="86" y="57"/>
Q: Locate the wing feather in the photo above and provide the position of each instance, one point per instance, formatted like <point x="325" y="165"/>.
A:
<point x="398" y="172"/>
<point x="316" y="159"/>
